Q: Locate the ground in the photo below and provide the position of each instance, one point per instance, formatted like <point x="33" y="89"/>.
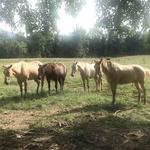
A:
<point x="74" y="119"/>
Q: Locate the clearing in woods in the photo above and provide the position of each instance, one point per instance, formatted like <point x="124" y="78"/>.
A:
<point x="74" y="119"/>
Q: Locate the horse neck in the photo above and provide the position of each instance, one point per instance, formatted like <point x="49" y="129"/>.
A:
<point x="17" y="68"/>
<point x="13" y="71"/>
<point x="87" y="70"/>
<point x="106" y="69"/>
<point x="80" y="67"/>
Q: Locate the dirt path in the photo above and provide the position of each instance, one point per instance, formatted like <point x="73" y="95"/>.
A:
<point x="19" y="119"/>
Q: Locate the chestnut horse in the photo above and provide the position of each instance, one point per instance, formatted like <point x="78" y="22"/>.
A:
<point x="53" y="71"/>
<point x="87" y="72"/>
<point x="23" y="71"/>
<point x="122" y="74"/>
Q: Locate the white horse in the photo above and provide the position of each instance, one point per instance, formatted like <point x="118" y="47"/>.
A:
<point x="123" y="74"/>
<point x="87" y="71"/>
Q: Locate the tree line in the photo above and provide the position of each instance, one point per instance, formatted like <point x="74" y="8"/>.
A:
<point x="115" y="33"/>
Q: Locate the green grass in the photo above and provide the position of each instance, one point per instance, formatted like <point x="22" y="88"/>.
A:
<point x="83" y="118"/>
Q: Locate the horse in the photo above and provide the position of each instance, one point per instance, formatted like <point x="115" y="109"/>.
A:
<point x="87" y="72"/>
<point x="53" y="71"/>
<point x="22" y="71"/>
<point x="123" y="74"/>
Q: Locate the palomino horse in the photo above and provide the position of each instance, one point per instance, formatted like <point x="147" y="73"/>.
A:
<point x="23" y="71"/>
<point x="53" y="71"/>
<point x="122" y="74"/>
<point x="87" y="71"/>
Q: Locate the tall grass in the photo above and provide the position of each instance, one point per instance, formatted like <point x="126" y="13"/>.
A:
<point x="73" y="103"/>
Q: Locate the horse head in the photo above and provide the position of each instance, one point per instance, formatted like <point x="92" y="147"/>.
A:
<point x="7" y="73"/>
<point x="74" y="68"/>
<point x="40" y="71"/>
<point x="97" y="67"/>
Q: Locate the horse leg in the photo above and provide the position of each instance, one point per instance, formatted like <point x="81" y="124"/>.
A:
<point x="42" y="83"/>
<point x="97" y="84"/>
<point x="101" y="83"/>
<point x="49" y="86"/>
<point x="56" y="82"/>
<point x="113" y="90"/>
<point x="144" y="91"/>
<point x="88" y="84"/>
<point x="38" y="84"/>
<point x="63" y="79"/>
<point x="25" y="88"/>
<point x="139" y="92"/>
<point x="20" y="85"/>
<point x="83" y="80"/>
<point x="61" y="84"/>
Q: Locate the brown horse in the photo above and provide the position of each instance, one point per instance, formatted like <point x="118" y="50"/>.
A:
<point x="53" y="71"/>
<point x="122" y="74"/>
<point x="23" y="71"/>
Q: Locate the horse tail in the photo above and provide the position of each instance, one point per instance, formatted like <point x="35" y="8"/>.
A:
<point x="147" y="71"/>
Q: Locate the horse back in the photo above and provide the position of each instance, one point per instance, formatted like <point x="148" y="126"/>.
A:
<point x="60" y="69"/>
<point x="89" y="70"/>
<point x="26" y="70"/>
<point x="125" y="74"/>
<point x="54" y="71"/>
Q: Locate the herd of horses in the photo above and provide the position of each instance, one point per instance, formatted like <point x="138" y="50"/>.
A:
<point x="115" y="74"/>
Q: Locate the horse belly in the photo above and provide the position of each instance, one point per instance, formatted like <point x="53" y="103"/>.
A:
<point x="33" y="75"/>
<point x="127" y="78"/>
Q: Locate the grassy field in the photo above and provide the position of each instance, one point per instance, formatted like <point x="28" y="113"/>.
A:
<point x="74" y="119"/>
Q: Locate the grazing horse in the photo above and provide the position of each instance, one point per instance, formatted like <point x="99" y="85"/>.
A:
<point x="53" y="71"/>
<point x="23" y="71"/>
<point x="87" y="71"/>
<point x="123" y="74"/>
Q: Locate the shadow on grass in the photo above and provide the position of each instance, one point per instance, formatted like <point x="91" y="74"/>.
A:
<point x="17" y="99"/>
<point x="96" y="108"/>
<point x="107" y="133"/>
<point x="4" y="101"/>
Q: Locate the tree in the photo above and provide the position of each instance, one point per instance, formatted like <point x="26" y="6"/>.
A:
<point x="115" y="13"/>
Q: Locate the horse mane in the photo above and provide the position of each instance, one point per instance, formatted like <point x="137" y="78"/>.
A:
<point x="81" y="66"/>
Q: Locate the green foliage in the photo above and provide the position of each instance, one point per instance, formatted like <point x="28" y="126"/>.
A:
<point x="75" y="45"/>
<point x="74" y="6"/>
<point x="115" y="32"/>
<point x="12" y="45"/>
<point x="116" y="12"/>
<point x="146" y="38"/>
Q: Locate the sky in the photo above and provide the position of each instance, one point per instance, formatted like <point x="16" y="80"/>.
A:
<point x="85" y="19"/>
<point x="66" y="23"/>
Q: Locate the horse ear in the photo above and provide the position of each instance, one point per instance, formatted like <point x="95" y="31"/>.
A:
<point x="101" y="60"/>
<point x="40" y="65"/>
<point x="7" y="66"/>
<point x="95" y="61"/>
<point x="10" y="66"/>
<point x="4" y="66"/>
